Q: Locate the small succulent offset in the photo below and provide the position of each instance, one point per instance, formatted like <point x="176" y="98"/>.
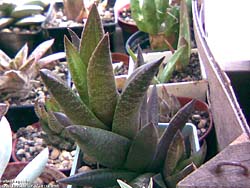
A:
<point x="118" y="130"/>
<point x="17" y="75"/>
<point x="33" y="169"/>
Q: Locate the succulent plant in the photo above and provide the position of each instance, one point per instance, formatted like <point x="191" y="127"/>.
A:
<point x="28" y="13"/>
<point x="50" y="116"/>
<point x="18" y="75"/>
<point x="33" y="169"/>
<point x="169" y="28"/>
<point x="118" y="130"/>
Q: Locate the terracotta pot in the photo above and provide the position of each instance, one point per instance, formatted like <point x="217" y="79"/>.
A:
<point x="128" y="28"/>
<point x="200" y="106"/>
<point x="49" y="174"/>
<point x="121" y="57"/>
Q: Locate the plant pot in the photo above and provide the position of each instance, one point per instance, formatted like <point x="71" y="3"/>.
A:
<point x="128" y="68"/>
<point x="12" y="42"/>
<point x="128" y="27"/>
<point x="20" y="116"/>
<point x="138" y="38"/>
<point x="49" y="174"/>
<point x="55" y="154"/>
<point x="58" y="33"/>
<point x="194" y="89"/>
<point x="200" y="106"/>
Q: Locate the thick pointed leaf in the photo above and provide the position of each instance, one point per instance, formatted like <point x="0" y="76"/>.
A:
<point x="62" y="118"/>
<point x="159" y="181"/>
<point x="101" y="83"/>
<point x="153" y="107"/>
<point x="122" y="184"/>
<point x="166" y="73"/>
<point x="197" y="158"/>
<point x="53" y="121"/>
<point x="107" y="148"/>
<point x="172" y="181"/>
<point x="144" y="112"/>
<point x="41" y="49"/>
<point x="75" y="39"/>
<point x="161" y="6"/>
<point x="20" y="58"/>
<point x="126" y="118"/>
<point x="99" y="178"/>
<point x="142" y="149"/>
<point x="144" y="180"/>
<point x="184" y="35"/>
<point x="3" y="109"/>
<point x="33" y="170"/>
<point x="149" y="13"/>
<point x="78" y="70"/>
<point x="175" y="153"/>
<point x="92" y="34"/>
<point x="45" y="61"/>
<point x="6" y="144"/>
<point x="175" y="124"/>
<point x="140" y="59"/>
<point x="69" y="102"/>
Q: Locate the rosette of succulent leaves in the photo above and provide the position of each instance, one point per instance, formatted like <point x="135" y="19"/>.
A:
<point x="19" y="75"/>
<point x="32" y="170"/>
<point x="118" y="130"/>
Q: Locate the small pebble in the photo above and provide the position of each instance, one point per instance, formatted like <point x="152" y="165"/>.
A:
<point x="84" y="168"/>
<point x="54" y="154"/>
<point x="202" y="123"/>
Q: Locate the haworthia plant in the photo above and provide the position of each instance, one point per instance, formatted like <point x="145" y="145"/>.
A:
<point x="109" y="127"/>
<point x="17" y="74"/>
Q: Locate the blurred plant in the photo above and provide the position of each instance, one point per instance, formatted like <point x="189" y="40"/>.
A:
<point x="18" y="75"/>
<point x="33" y="169"/>
<point x="27" y="13"/>
<point x="118" y="130"/>
<point x="168" y="26"/>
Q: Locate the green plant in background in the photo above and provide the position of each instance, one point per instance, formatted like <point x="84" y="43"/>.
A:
<point x="28" y="13"/>
<point x="118" y="130"/>
<point x="18" y="75"/>
<point x="171" y="22"/>
<point x="33" y="169"/>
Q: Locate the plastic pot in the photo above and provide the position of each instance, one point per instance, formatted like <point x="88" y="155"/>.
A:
<point x="138" y="38"/>
<point x="12" y="42"/>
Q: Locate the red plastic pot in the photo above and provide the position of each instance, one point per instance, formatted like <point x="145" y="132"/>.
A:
<point x="128" y="28"/>
<point x="200" y="106"/>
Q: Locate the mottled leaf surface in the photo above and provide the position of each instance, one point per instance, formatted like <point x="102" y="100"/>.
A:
<point x="97" y="177"/>
<point x="101" y="83"/>
<point x="108" y="148"/>
<point x="142" y="149"/>
<point x="126" y="118"/>
<point x="69" y="102"/>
